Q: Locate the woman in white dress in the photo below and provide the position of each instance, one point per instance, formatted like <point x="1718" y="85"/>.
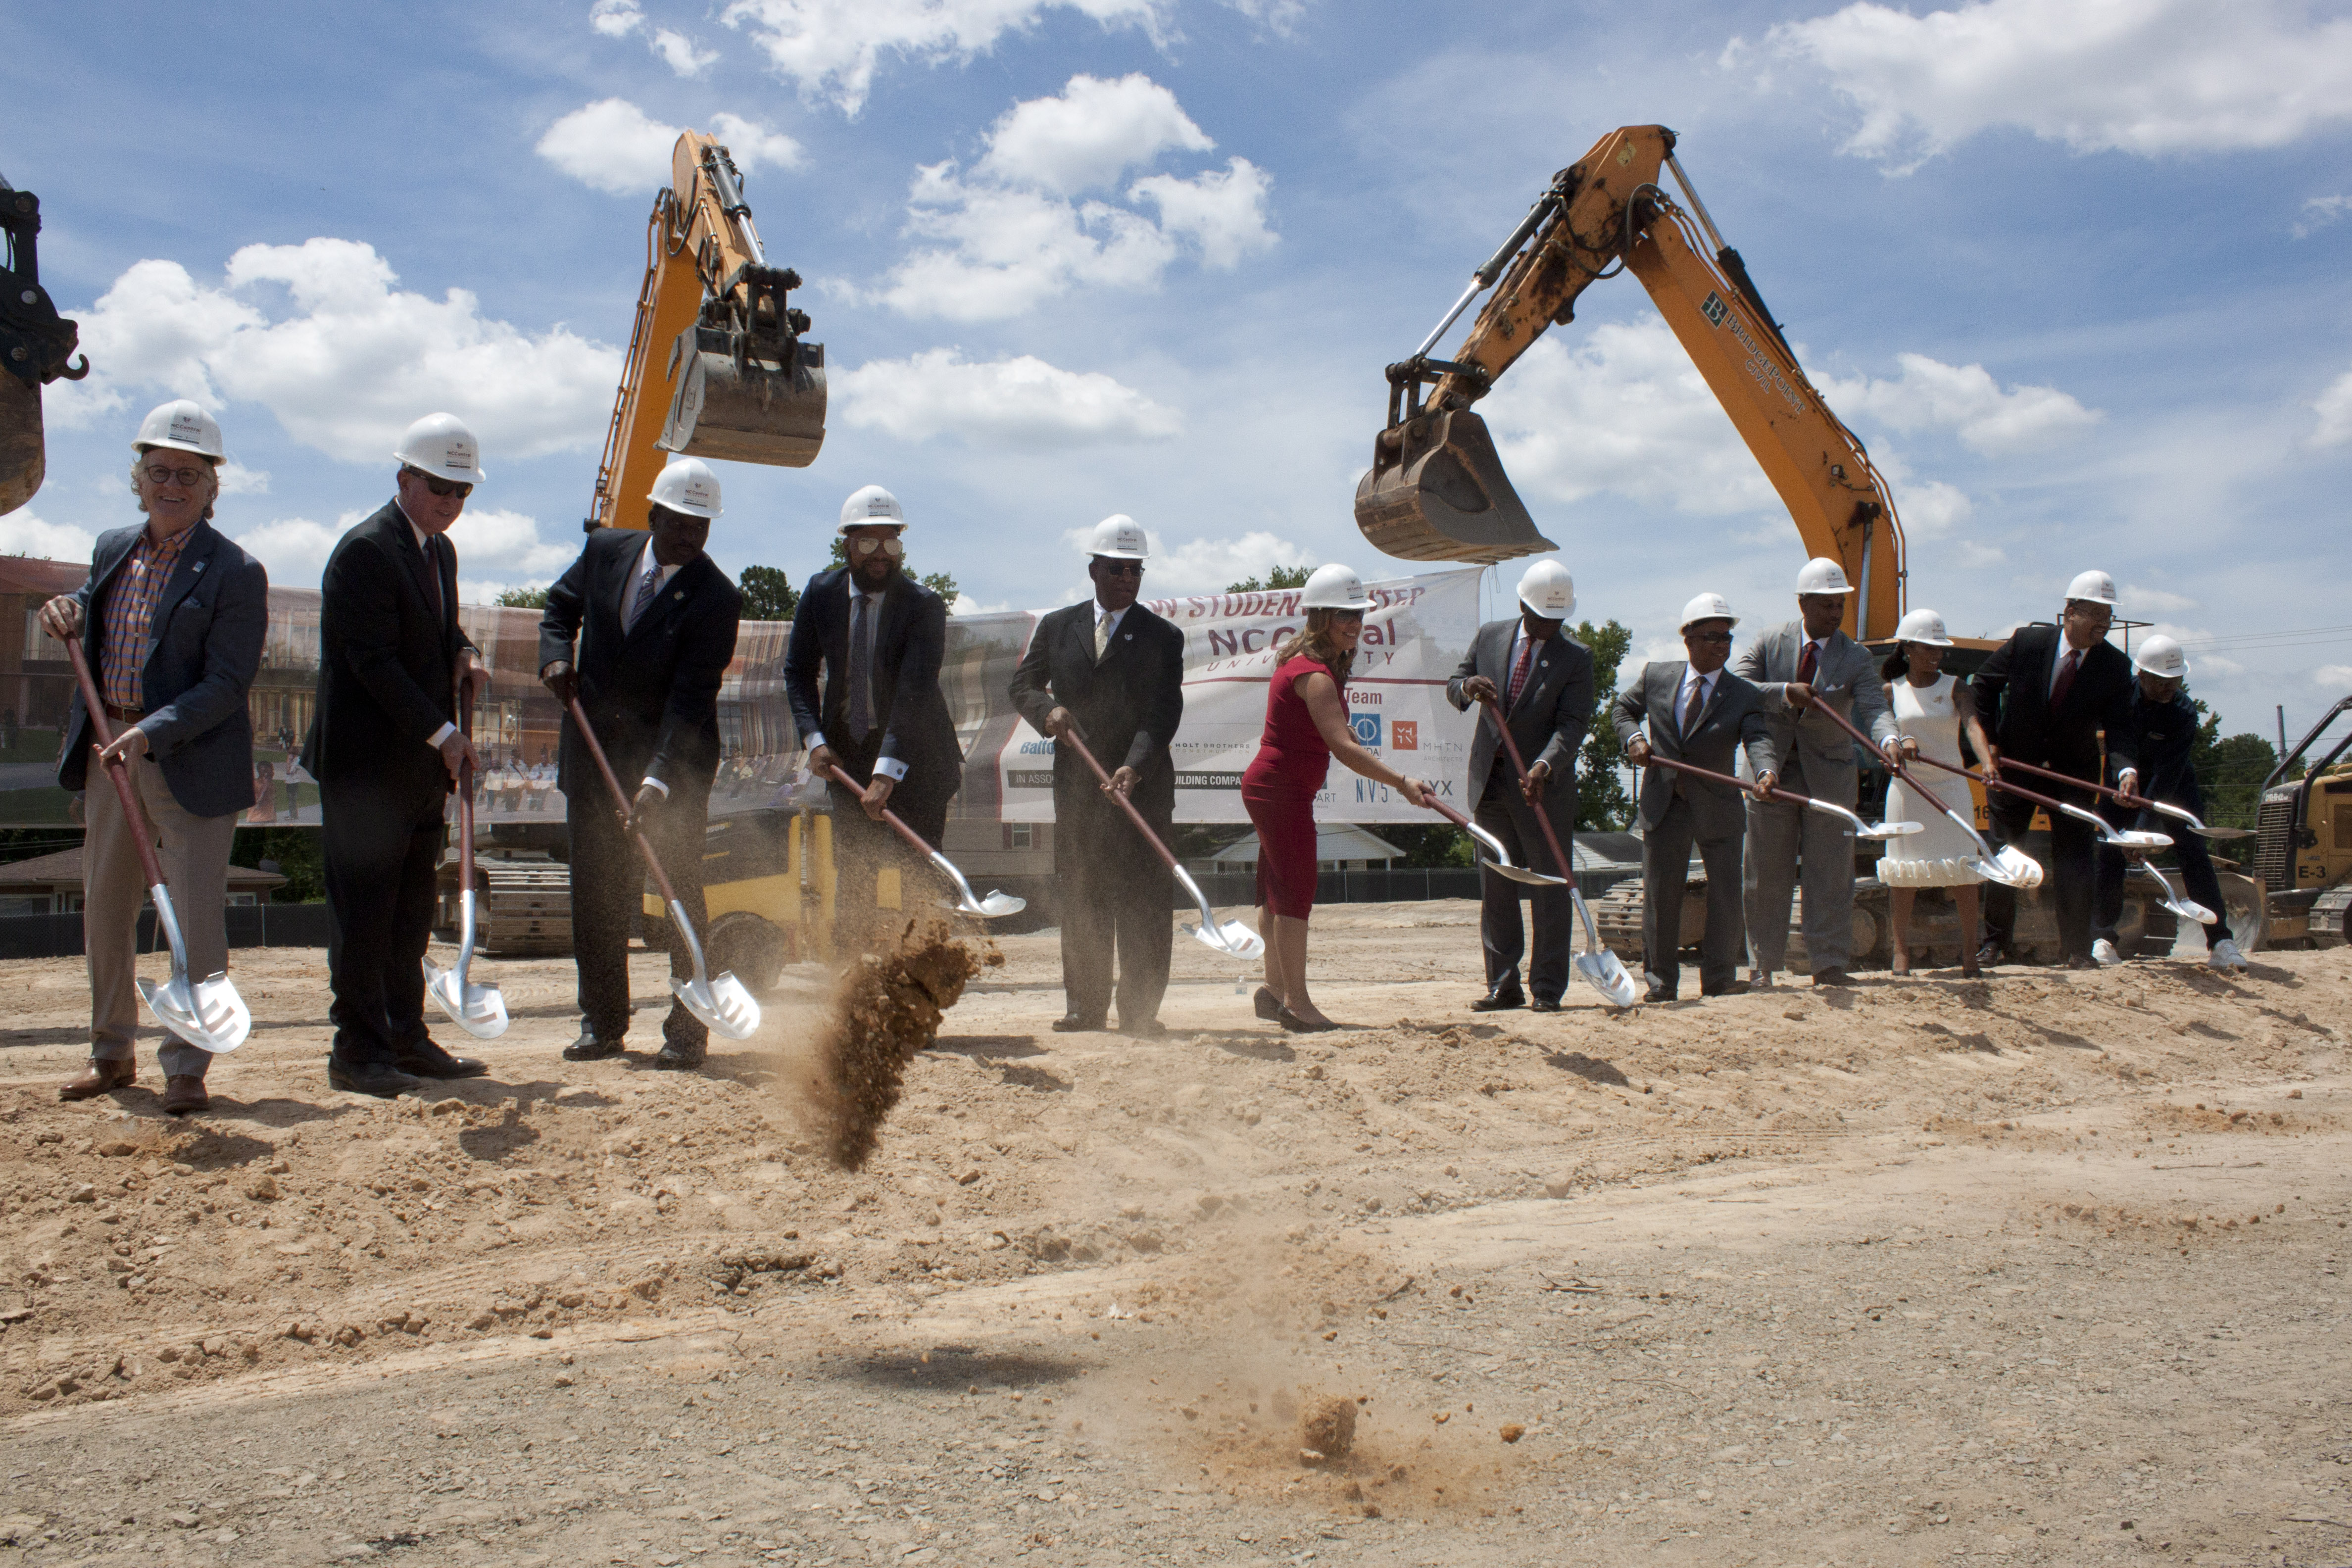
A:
<point x="1931" y="708"/>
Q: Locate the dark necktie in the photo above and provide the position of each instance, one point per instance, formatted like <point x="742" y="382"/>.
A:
<point x="2066" y="681"/>
<point x="861" y="672"/>
<point x="647" y="587"/>
<point x="1691" y="709"/>
<point x="1519" y="672"/>
<point x="433" y="579"/>
<point x="1807" y="663"/>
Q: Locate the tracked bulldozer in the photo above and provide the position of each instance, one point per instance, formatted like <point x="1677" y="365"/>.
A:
<point x="720" y="365"/>
<point x="2302" y="844"/>
<point x="37" y="347"/>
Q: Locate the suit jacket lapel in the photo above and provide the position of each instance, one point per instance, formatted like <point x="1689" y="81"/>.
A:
<point x="421" y="571"/>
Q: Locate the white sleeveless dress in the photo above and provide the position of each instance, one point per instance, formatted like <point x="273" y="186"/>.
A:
<point x="1931" y="857"/>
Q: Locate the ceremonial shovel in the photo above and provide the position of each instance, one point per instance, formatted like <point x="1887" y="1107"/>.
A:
<point x="208" y="1014"/>
<point x="479" y="1010"/>
<point x="994" y="907"/>
<point x="2008" y="866"/>
<point x="2178" y="813"/>
<point x="725" y="1004"/>
<point x="1230" y="936"/>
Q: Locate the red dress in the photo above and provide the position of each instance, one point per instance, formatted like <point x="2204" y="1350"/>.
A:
<point x="1278" y="789"/>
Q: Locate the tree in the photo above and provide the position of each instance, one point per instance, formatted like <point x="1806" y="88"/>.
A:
<point x="523" y="598"/>
<point x="1602" y="804"/>
<point x="1278" y="577"/>
<point x="943" y="584"/>
<point x="768" y="593"/>
<point x="2229" y="772"/>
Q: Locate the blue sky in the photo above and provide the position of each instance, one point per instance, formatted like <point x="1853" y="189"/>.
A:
<point x="2077" y="272"/>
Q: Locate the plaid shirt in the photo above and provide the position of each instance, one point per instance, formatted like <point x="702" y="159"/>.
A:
<point x="130" y="608"/>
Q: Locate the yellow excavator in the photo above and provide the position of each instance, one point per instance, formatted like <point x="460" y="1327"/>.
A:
<point x="37" y="347"/>
<point x="1436" y="489"/>
<point x="738" y="379"/>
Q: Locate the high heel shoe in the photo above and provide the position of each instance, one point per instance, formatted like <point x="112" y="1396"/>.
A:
<point x="1299" y="1026"/>
<point x="1268" y="1005"/>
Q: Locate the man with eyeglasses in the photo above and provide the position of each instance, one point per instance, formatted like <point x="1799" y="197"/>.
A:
<point x="2058" y="696"/>
<point x="387" y="748"/>
<point x="878" y="636"/>
<point x="1701" y="713"/>
<point x="172" y="620"/>
<point x="1111" y="670"/>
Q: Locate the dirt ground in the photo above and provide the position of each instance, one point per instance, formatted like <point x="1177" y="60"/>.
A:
<point x="2046" y="1268"/>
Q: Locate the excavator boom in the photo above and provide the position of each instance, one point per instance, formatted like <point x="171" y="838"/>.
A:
<point x="718" y="363"/>
<point x="37" y="346"/>
<point x="1436" y="489"/>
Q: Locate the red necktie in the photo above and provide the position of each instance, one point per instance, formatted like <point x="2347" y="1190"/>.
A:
<point x="1518" y="673"/>
<point x="1691" y="712"/>
<point x="2066" y="681"/>
<point x="1806" y="664"/>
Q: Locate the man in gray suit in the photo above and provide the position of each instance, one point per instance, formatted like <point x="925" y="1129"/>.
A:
<point x="1807" y="662"/>
<point x="1701" y="713"/>
<point x="1541" y="681"/>
<point x="172" y="619"/>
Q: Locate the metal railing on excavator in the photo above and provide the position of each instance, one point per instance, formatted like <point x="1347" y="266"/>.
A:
<point x="1436" y="489"/>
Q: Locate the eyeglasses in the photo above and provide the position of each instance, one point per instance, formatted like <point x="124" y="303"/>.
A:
<point x="1706" y="636"/>
<point x="441" y="487"/>
<point x="889" y="544"/>
<point x="159" y="475"/>
<point x="1119" y="568"/>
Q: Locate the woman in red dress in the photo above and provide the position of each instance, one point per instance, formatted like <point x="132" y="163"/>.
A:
<point x="1306" y="727"/>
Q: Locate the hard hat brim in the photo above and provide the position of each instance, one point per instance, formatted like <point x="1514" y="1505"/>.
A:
<point x="2179" y="674"/>
<point x="139" y="447"/>
<point x="1117" y="555"/>
<point x="1338" y="605"/>
<point x="442" y="470"/>
<point x="1546" y="613"/>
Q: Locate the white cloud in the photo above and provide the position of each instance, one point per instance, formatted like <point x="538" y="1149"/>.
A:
<point x="2334" y="410"/>
<point x="613" y="145"/>
<point x="2333" y="675"/>
<point x="236" y="479"/>
<point x="342" y="358"/>
<point x="2145" y="600"/>
<point x="1013" y="233"/>
<point x="490" y="539"/>
<point x="620" y="18"/>
<point x="504" y="545"/>
<point x="1931" y="395"/>
<point x="1021" y="402"/>
<point x="835" y="47"/>
<point x="1277" y="16"/>
<point x="1203" y="565"/>
<point x="2146" y="77"/>
<point x="23" y="533"/>
<point x="616" y="18"/>
<point x="294" y="550"/>
<point x="2319" y="212"/>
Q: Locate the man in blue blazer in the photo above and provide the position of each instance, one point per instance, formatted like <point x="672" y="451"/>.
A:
<point x="172" y="620"/>
<point x="878" y="636"/>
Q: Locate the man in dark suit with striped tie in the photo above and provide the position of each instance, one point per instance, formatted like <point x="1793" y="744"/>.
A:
<point x="1110" y="668"/>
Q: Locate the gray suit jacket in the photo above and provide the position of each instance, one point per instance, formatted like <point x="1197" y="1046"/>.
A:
<point x="1733" y="718"/>
<point x="1808" y="743"/>
<point x="1554" y="709"/>
<point x="203" y="646"/>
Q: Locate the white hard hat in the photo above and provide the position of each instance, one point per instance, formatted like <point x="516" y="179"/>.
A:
<point x="2096" y="587"/>
<point x="687" y="485"/>
<point x="440" y="445"/>
<point x="1823" y="575"/>
<point x="1549" y="591"/>
<point x="1335" y="587"/>
<point x="872" y="504"/>
<point x="1922" y="626"/>
<point x="1707" y="607"/>
<point x="181" y="426"/>
<point x="1118" y="537"/>
<point x="2159" y="655"/>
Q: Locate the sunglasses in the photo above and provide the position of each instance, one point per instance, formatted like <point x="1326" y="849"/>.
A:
<point x="159" y="475"/>
<point x="1708" y="636"/>
<point x="441" y="487"/>
<point x="1119" y="568"/>
<point x="889" y="544"/>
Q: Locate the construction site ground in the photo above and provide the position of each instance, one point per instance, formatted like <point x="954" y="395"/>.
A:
<point x="2044" y="1268"/>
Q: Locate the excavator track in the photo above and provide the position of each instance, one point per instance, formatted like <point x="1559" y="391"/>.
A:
<point x="522" y="908"/>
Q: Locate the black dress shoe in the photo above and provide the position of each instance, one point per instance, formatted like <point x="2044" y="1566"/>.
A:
<point x="1657" y="993"/>
<point x="1737" y="988"/>
<point x="429" y="1061"/>
<point x="589" y="1049"/>
<point x="1071" y="1024"/>
<point x="1266" y="1003"/>
<point x="680" y="1055"/>
<point x="1830" y="976"/>
<point x="1502" y="998"/>
<point x="1544" y="1004"/>
<point x="1989" y="954"/>
<point x="379" y="1078"/>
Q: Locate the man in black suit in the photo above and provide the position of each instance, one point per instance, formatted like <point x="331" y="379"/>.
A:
<point x="1113" y="671"/>
<point x="1701" y="713"/>
<point x="385" y="749"/>
<point x="1540" y="680"/>
<point x="656" y="621"/>
<point x="2053" y="690"/>
<point x="879" y="636"/>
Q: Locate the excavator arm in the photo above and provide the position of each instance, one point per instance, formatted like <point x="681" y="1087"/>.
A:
<point x="1436" y="491"/>
<point x="37" y="346"/>
<point x="717" y="365"/>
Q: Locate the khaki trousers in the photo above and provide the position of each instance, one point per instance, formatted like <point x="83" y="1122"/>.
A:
<point x="195" y="855"/>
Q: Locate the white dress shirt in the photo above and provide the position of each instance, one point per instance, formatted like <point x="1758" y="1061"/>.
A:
<point x="1705" y="684"/>
<point x="888" y="767"/>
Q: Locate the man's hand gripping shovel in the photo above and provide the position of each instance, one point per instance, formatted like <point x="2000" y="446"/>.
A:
<point x="1225" y="936"/>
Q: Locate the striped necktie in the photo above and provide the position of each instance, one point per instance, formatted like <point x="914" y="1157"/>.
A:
<point x="648" y="586"/>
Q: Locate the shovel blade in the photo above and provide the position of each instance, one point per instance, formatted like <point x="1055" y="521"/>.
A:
<point x="2009" y="868"/>
<point x="994" y="907"/>
<point x="1607" y="974"/>
<point x="1527" y="873"/>
<point x="1445" y="497"/>
<point x="479" y="1010"/>
<point x="757" y="412"/>
<point x="1230" y="937"/>
<point x="1889" y="830"/>
<point x="208" y="1014"/>
<point x="2136" y="838"/>
<point x="722" y="1002"/>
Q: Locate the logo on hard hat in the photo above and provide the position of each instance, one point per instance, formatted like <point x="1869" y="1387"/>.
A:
<point x="187" y="428"/>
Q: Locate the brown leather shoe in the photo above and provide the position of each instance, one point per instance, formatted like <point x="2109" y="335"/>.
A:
<point x="184" y="1095"/>
<point x="102" y="1077"/>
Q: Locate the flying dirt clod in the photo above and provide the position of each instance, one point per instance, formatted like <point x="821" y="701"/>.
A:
<point x="885" y="1009"/>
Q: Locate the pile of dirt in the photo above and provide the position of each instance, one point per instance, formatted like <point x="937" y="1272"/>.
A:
<point x="885" y="1009"/>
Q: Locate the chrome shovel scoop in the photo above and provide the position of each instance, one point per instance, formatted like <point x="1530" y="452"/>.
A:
<point x="2180" y="904"/>
<point x="479" y="1010"/>
<point x="2008" y="866"/>
<point x="1499" y="861"/>
<point x="1224" y="936"/>
<point x="208" y="1014"/>
<point x="994" y="907"/>
<point x="725" y="1004"/>
<point x="1600" y="968"/>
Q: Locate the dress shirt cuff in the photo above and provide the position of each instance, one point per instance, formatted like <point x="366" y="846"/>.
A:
<point x="815" y="738"/>
<point x="656" y="784"/>
<point x="890" y="767"/>
<point x="552" y="665"/>
<point x="440" y="735"/>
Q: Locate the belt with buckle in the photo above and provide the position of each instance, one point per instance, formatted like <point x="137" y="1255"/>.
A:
<point x="124" y="715"/>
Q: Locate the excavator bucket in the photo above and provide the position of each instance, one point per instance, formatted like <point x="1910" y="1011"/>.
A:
<point x="747" y="411"/>
<point x="1445" y="497"/>
<point x="23" y="462"/>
